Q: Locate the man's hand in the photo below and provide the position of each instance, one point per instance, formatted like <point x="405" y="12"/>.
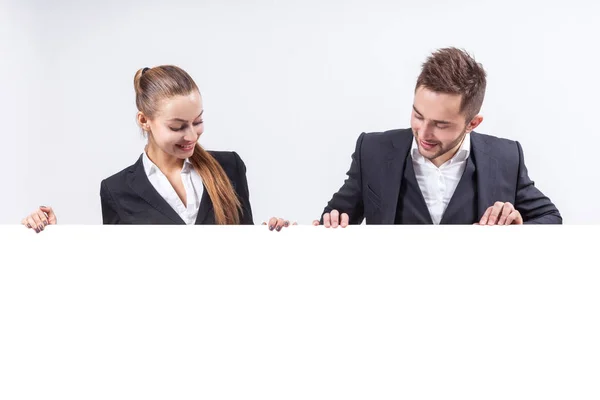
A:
<point x="501" y="214"/>
<point x="333" y="220"/>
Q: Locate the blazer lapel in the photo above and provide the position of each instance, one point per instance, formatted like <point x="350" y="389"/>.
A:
<point x="487" y="168"/>
<point x="392" y="178"/>
<point x="140" y="184"/>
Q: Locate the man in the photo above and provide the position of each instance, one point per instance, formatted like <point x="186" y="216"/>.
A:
<point x="440" y="171"/>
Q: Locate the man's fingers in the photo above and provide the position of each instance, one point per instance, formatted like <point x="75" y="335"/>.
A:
<point x="496" y="210"/>
<point x="327" y="220"/>
<point x="506" y="210"/>
<point x="485" y="216"/>
<point x="335" y="218"/>
<point x="345" y="220"/>
<point x="514" y="218"/>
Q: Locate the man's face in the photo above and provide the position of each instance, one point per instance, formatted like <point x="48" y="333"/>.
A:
<point x="438" y="125"/>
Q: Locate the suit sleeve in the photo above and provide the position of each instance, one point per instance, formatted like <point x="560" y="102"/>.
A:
<point x="243" y="192"/>
<point x="349" y="198"/>
<point x="534" y="206"/>
<point x="110" y="215"/>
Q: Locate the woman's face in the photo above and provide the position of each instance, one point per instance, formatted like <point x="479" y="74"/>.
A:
<point x="177" y="125"/>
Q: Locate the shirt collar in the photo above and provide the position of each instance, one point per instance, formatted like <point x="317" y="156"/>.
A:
<point x="151" y="168"/>
<point x="461" y="155"/>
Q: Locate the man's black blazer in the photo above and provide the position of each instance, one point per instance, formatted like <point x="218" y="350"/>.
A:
<point x="372" y="186"/>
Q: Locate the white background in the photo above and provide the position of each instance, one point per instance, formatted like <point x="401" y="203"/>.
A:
<point x="289" y="86"/>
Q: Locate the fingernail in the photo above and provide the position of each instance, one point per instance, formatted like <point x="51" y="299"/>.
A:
<point x="41" y="227"/>
<point x="45" y="223"/>
<point x="43" y="206"/>
<point x="278" y="228"/>
<point x="29" y="226"/>
<point x="270" y="227"/>
<point x="286" y="223"/>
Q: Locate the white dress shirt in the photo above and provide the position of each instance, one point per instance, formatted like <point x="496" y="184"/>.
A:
<point x="192" y="182"/>
<point x="438" y="184"/>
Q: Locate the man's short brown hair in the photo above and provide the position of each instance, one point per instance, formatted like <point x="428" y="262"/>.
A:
<point x="454" y="71"/>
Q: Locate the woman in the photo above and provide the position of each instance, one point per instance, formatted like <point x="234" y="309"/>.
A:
<point x="174" y="181"/>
